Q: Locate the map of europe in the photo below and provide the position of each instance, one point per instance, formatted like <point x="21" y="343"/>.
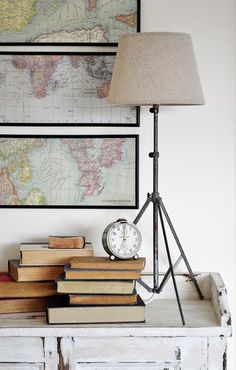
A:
<point x="59" y="89"/>
<point x="68" y="171"/>
<point x="66" y="21"/>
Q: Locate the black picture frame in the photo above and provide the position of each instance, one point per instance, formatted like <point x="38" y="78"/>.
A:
<point x="18" y="160"/>
<point x="131" y="115"/>
<point x="30" y="41"/>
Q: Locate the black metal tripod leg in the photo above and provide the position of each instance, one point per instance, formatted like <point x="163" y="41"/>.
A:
<point x="142" y="210"/>
<point x="180" y="248"/>
<point x="139" y="215"/>
<point x="171" y="266"/>
<point x="168" y="274"/>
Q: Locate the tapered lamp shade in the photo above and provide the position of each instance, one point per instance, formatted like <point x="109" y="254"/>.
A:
<point x="156" y="68"/>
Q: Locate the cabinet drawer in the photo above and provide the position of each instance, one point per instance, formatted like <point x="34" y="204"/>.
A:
<point x="127" y="350"/>
<point x="20" y="349"/>
<point x="126" y="366"/>
<point x="21" y="366"/>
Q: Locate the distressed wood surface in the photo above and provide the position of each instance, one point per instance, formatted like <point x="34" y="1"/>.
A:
<point x="161" y="343"/>
<point x="203" y="318"/>
<point x="17" y="349"/>
<point x="126" y="366"/>
<point x="21" y="366"/>
<point x="130" y="350"/>
<point x="140" y="353"/>
<point x="51" y="353"/>
<point x="220" y="300"/>
<point x="217" y="354"/>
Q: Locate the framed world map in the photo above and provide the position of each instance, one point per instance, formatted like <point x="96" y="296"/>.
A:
<point x="81" y="22"/>
<point x="59" y="89"/>
<point x="69" y="171"/>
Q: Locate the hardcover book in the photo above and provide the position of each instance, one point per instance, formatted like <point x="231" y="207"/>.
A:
<point x="89" y="274"/>
<point x="60" y="312"/>
<point x="22" y="305"/>
<point x="104" y="263"/>
<point x="11" y="289"/>
<point x="33" y="273"/>
<point x="102" y="299"/>
<point x="95" y="286"/>
<point x="63" y="242"/>
<point x="40" y="254"/>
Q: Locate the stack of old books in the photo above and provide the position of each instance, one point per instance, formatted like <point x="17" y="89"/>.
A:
<point x="31" y="279"/>
<point x="95" y="290"/>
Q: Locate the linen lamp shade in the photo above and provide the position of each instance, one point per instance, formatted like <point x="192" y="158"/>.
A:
<point x="156" y="68"/>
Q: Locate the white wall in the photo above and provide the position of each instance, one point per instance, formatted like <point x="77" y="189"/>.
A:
<point x="197" y="146"/>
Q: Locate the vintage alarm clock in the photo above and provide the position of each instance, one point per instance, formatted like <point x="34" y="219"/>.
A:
<point x="121" y="239"/>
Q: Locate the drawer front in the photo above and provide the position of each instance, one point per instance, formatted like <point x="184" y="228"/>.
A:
<point x="131" y="350"/>
<point x="21" y="366"/>
<point x="126" y="366"/>
<point x="21" y="349"/>
<point x="136" y="353"/>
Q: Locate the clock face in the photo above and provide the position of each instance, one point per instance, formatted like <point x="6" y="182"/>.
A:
<point x="123" y="240"/>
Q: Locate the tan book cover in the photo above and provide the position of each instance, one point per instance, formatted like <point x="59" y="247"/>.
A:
<point x="102" y="299"/>
<point x="22" y="305"/>
<point x="60" y="312"/>
<point x="11" y="289"/>
<point x="104" y="263"/>
<point x="33" y="273"/>
<point x="95" y="286"/>
<point x="63" y="242"/>
<point x="40" y="254"/>
<point x="81" y="274"/>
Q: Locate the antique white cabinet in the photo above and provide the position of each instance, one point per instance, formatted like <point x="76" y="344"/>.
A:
<point x="161" y="343"/>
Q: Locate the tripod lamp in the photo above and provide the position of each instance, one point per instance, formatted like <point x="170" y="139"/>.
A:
<point x="154" y="69"/>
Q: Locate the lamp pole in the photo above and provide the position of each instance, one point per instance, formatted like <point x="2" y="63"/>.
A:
<point x="155" y="197"/>
<point x="159" y="210"/>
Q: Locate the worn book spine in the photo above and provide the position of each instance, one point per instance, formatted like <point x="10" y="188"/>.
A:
<point x="12" y="289"/>
<point x="33" y="273"/>
<point x="60" y="312"/>
<point x="101" y="275"/>
<point x="95" y="286"/>
<point x="39" y="254"/>
<point x="22" y="305"/>
<point x="64" y="242"/>
<point x="102" y="299"/>
<point x="104" y="263"/>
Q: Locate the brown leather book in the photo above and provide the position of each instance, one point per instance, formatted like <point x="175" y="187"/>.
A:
<point x="33" y="273"/>
<point x="104" y="263"/>
<point x="11" y="289"/>
<point x="95" y="286"/>
<point x="22" y="305"/>
<point x="73" y="274"/>
<point x="63" y="242"/>
<point x="40" y="254"/>
<point x="102" y="299"/>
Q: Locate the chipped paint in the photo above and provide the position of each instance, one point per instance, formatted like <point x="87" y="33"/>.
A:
<point x="178" y="354"/>
<point x="229" y="321"/>
<point x="224" y="362"/>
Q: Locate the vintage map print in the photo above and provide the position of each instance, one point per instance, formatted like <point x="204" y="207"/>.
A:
<point x="59" y="89"/>
<point x="67" y="21"/>
<point x="63" y="171"/>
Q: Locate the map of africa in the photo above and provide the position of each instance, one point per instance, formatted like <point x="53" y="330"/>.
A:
<point x="60" y="89"/>
<point x="66" y="21"/>
<point x="68" y="171"/>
